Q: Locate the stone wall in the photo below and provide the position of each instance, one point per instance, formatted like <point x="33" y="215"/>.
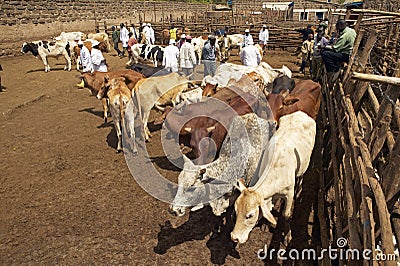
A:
<point x="30" y="20"/>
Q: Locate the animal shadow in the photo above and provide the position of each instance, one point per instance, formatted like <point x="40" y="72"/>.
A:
<point x="164" y="163"/>
<point x="112" y="139"/>
<point x="42" y="70"/>
<point x="92" y="111"/>
<point x="199" y="225"/>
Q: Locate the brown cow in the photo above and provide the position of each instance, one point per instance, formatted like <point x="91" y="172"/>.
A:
<point x="119" y="95"/>
<point x="306" y="97"/>
<point x="95" y="83"/>
<point x="209" y="124"/>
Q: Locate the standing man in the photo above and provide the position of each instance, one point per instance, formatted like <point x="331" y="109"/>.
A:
<point x="208" y="56"/>
<point x="317" y="65"/>
<point x="173" y="32"/>
<point x="124" y="37"/>
<point x="151" y="33"/>
<point x="171" y="55"/>
<point x="341" y="49"/>
<point x="250" y="55"/>
<point x="132" y="41"/>
<point x="86" y="61"/>
<point x="307" y="50"/>
<point x="187" y="57"/>
<point x="115" y="39"/>
<point x="147" y="32"/>
<point x="263" y="36"/>
<point x="246" y="38"/>
<point x="98" y="60"/>
<point x="181" y="41"/>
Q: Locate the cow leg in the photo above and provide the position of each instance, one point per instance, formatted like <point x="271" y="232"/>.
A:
<point x="289" y="196"/>
<point x="77" y="62"/>
<point x="68" y="65"/>
<point x="46" y="65"/>
<point x="147" y="133"/>
<point x="105" y="109"/>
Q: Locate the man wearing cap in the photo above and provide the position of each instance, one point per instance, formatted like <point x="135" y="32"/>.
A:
<point x="171" y="55"/>
<point x="98" y="60"/>
<point x="86" y="61"/>
<point x="250" y="55"/>
<point x="263" y="36"/>
<point x="187" y="57"/>
<point x="124" y="37"/>
<point x="208" y="56"/>
<point x="115" y="39"/>
<point x="181" y="41"/>
<point x="246" y="38"/>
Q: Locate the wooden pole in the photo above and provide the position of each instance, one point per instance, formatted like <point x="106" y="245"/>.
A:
<point x="376" y="78"/>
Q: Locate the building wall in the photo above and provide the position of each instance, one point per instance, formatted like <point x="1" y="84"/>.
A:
<point x="30" y="20"/>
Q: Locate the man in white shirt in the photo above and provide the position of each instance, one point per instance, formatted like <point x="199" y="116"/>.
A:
<point x="152" y="38"/>
<point x="250" y="55"/>
<point x="247" y="38"/>
<point x="171" y="55"/>
<point x="98" y="60"/>
<point x="147" y="31"/>
<point x="124" y="37"/>
<point x="187" y="57"/>
<point x="263" y="36"/>
<point x="86" y="61"/>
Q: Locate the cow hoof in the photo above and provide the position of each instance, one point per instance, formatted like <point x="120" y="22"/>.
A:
<point x="118" y="151"/>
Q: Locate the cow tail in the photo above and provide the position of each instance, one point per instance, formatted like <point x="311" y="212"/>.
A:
<point x="121" y="111"/>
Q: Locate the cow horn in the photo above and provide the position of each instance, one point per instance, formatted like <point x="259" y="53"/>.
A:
<point x="188" y="129"/>
<point x="209" y="129"/>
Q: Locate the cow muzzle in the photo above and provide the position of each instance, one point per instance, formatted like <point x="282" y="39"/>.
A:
<point x="238" y="239"/>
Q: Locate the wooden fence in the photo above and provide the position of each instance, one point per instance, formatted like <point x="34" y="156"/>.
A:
<point x="360" y="125"/>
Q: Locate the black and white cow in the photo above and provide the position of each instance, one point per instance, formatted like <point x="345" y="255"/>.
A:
<point x="146" y="52"/>
<point x="46" y="49"/>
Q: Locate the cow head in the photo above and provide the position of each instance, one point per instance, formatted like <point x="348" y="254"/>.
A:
<point x="204" y="147"/>
<point x="277" y="103"/>
<point x="282" y="83"/>
<point x="30" y="47"/>
<point x="109" y="84"/>
<point x="189" y="176"/>
<point x="247" y="208"/>
<point x="210" y="89"/>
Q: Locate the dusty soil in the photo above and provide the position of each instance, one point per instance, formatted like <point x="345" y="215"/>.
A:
<point x="66" y="197"/>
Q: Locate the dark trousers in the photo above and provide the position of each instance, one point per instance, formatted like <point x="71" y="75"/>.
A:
<point x="332" y="59"/>
<point x="116" y="48"/>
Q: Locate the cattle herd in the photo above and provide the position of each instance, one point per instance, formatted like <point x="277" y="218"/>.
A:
<point x="206" y="115"/>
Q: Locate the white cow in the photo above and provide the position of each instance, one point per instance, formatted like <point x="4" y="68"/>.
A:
<point x="101" y="37"/>
<point x="70" y="36"/>
<point x="149" y="90"/>
<point x="247" y="136"/>
<point x="46" y="49"/>
<point x="289" y="152"/>
<point x="228" y="71"/>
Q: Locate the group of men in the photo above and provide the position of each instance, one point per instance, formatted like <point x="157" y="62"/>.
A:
<point x="183" y="56"/>
<point x="318" y="50"/>
<point x="129" y="38"/>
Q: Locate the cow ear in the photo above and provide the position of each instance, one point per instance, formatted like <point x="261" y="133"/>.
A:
<point x="106" y="79"/>
<point x="188" y="129"/>
<point x="266" y="212"/>
<point x="290" y="100"/>
<point x="240" y="185"/>
<point x="285" y="93"/>
<point x="210" y="129"/>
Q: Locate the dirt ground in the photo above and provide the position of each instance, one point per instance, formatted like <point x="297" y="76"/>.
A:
<point x="66" y="197"/>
